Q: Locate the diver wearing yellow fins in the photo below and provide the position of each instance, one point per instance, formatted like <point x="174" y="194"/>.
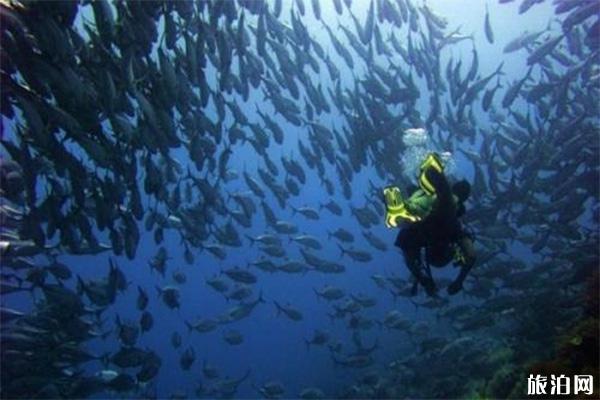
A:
<point x="430" y="221"/>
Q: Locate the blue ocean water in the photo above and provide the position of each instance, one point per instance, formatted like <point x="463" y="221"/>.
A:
<point x="274" y="347"/>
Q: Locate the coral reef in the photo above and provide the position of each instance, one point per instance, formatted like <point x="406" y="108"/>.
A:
<point x="577" y="351"/>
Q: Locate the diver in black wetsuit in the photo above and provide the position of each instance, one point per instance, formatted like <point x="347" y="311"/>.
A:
<point x="432" y="223"/>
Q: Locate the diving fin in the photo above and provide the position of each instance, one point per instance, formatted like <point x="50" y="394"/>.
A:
<point x="433" y="162"/>
<point x="395" y="207"/>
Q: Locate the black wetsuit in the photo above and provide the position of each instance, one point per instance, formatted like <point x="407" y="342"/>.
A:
<point x="437" y="233"/>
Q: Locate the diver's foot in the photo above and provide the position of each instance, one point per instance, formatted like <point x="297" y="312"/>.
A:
<point x="429" y="286"/>
<point x="455" y="287"/>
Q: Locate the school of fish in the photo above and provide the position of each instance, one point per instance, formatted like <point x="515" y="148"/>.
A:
<point x="194" y="120"/>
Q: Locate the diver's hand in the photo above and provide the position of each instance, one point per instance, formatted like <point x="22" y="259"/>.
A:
<point x="455" y="287"/>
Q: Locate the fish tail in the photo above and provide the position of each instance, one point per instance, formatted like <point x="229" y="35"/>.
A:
<point x="342" y="250"/>
<point x="376" y="345"/>
<point x="104" y="335"/>
<point x="246" y="375"/>
<point x="189" y="326"/>
<point x="415" y="304"/>
<point x="258" y="111"/>
<point x="307" y="345"/>
<point x="499" y="69"/>
<point x="20" y="282"/>
<point x="498" y="82"/>
<point x="105" y="359"/>
<point x="335" y="360"/>
<point x="251" y="239"/>
<point x="394" y="295"/>
<point x="80" y="284"/>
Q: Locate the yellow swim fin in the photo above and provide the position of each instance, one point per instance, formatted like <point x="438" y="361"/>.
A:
<point x="395" y="208"/>
<point x="434" y="161"/>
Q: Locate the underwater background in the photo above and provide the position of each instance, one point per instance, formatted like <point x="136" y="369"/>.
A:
<point x="192" y="196"/>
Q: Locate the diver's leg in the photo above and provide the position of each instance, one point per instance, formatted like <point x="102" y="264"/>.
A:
<point x="409" y="241"/>
<point x="427" y="280"/>
<point x="422" y="274"/>
<point x="467" y="261"/>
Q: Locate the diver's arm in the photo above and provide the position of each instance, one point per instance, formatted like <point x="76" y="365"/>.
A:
<point x="464" y="271"/>
<point x="466" y="263"/>
<point x="441" y="186"/>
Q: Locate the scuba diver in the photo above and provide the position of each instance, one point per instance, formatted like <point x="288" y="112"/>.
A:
<point x="431" y="221"/>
